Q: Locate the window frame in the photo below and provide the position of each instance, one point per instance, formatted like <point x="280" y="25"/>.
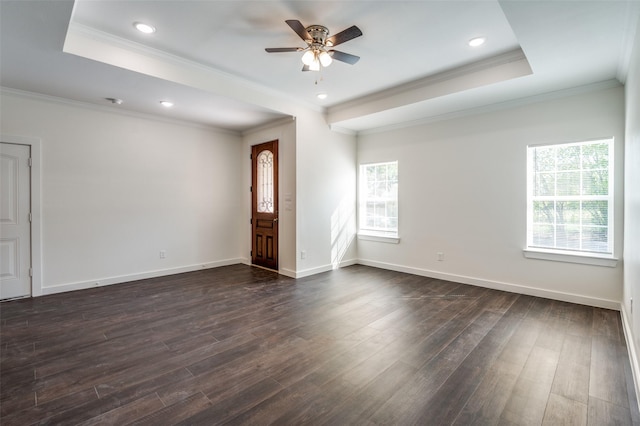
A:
<point x="372" y="234"/>
<point x="571" y="255"/>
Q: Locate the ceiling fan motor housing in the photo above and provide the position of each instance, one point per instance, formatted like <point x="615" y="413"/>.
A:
<point x="318" y="34"/>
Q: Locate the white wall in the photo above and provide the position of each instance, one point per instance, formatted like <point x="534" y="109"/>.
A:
<point x="317" y="193"/>
<point x="463" y="192"/>
<point x="326" y="188"/>
<point x="117" y="189"/>
<point x="632" y="209"/>
<point x="285" y="132"/>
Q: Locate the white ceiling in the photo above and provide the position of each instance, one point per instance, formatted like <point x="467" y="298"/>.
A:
<point x="208" y="56"/>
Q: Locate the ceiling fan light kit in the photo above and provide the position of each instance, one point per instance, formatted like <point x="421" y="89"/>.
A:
<point x="309" y="57"/>
<point x="317" y="54"/>
<point x="325" y="58"/>
<point x="315" y="58"/>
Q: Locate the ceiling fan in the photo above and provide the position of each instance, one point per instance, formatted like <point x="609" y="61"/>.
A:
<point x="318" y="51"/>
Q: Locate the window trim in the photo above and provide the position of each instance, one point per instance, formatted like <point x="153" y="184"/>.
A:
<point x="372" y="234"/>
<point x="608" y="259"/>
<point x="379" y="237"/>
<point x="570" y="257"/>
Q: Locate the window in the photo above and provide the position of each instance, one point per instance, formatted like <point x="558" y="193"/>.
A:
<point x="570" y="198"/>
<point x="379" y="199"/>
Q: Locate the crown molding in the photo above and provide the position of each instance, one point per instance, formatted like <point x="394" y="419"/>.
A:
<point x="626" y="50"/>
<point x="499" y="68"/>
<point x="270" y="125"/>
<point x="558" y="94"/>
<point x="343" y="130"/>
<point x="108" y="109"/>
<point x="434" y="80"/>
<point x="87" y="42"/>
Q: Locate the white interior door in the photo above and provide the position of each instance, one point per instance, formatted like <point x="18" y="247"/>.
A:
<point x="15" y="224"/>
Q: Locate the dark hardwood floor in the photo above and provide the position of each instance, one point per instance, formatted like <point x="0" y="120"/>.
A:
<point x="359" y="345"/>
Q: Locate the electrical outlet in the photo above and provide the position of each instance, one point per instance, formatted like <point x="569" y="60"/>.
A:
<point x="163" y="254"/>
<point x="440" y="256"/>
<point x="303" y="254"/>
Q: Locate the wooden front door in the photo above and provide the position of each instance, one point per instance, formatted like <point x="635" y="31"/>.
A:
<point x="264" y="205"/>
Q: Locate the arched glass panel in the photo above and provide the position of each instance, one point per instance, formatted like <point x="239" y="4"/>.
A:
<point x="265" y="182"/>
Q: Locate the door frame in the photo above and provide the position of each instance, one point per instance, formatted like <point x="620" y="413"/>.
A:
<point x="36" y="206"/>
<point x="276" y="182"/>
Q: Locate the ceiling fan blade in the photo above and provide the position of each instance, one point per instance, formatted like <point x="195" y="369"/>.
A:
<point x="299" y="29"/>
<point x="282" y="49"/>
<point x="306" y="68"/>
<point x="344" y="57"/>
<point x="346" y="35"/>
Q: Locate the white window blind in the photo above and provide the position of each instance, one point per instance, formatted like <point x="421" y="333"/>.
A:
<point x="379" y="198"/>
<point x="570" y="197"/>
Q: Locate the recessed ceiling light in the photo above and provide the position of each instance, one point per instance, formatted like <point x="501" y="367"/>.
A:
<point x="144" y="28"/>
<point x="166" y="104"/>
<point x="321" y="96"/>
<point x="477" y="41"/>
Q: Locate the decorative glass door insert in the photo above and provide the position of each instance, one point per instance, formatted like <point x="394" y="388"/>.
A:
<point x="265" y="182"/>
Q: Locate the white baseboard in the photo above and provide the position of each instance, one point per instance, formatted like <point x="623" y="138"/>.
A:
<point x="348" y="262"/>
<point x="498" y="285"/>
<point x="291" y="273"/>
<point x="631" y="348"/>
<point x="100" y="282"/>
<point x="312" y="271"/>
<point x="324" y="268"/>
<point x="287" y="272"/>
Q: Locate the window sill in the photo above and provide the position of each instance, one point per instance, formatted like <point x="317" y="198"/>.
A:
<point x="381" y="238"/>
<point x="570" y="257"/>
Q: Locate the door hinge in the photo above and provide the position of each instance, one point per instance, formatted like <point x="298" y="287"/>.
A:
<point x="251" y="189"/>
<point x="31" y="272"/>
<point x="251" y="253"/>
<point x="30" y="162"/>
<point x="250" y="156"/>
<point x="30" y="217"/>
<point x="251" y="221"/>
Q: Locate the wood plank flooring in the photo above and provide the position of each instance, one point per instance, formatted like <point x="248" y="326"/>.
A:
<point x="359" y="345"/>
